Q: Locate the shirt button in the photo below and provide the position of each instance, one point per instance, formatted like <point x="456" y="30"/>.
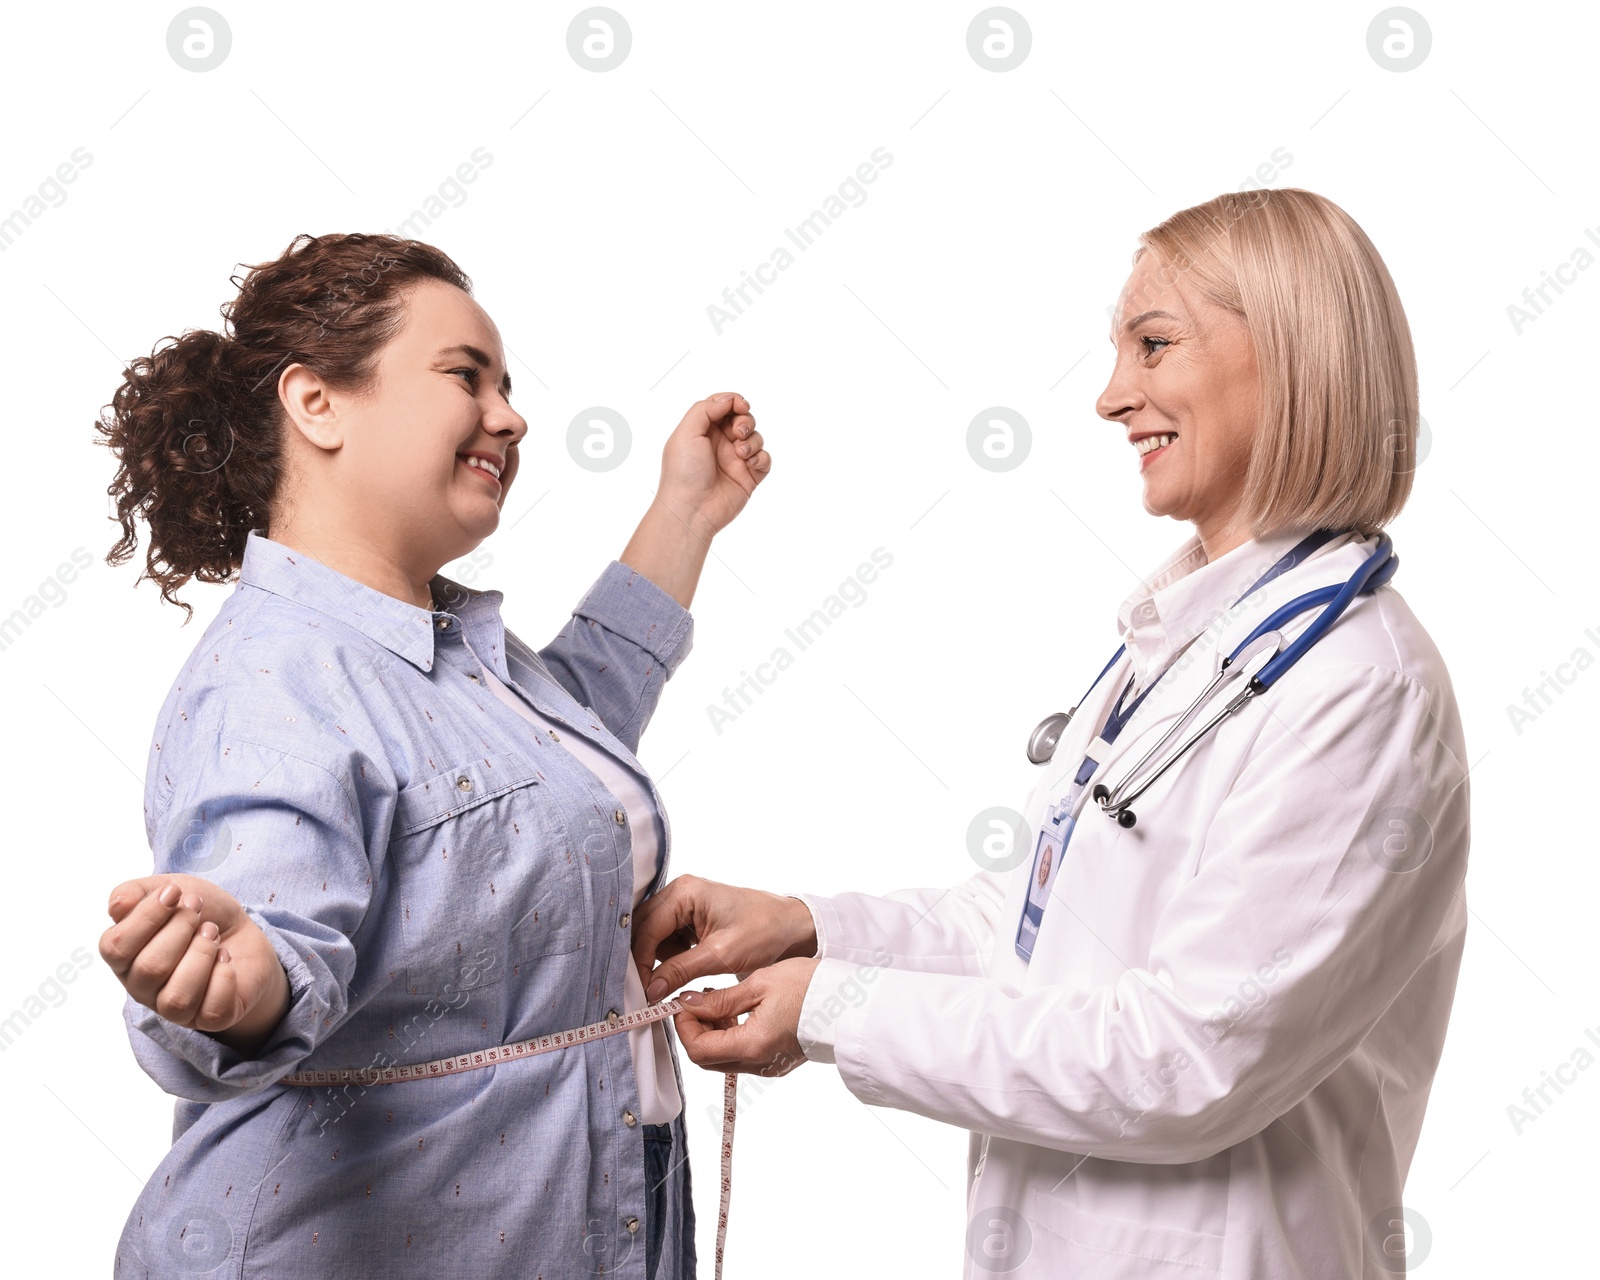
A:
<point x="464" y="783"/>
<point x="629" y="1119"/>
<point x="1147" y="611"/>
<point x="473" y="678"/>
<point x="625" y="918"/>
<point x="443" y="624"/>
<point x="620" y="817"/>
<point x="632" y="1224"/>
<point x="555" y="735"/>
<point x="613" y="1017"/>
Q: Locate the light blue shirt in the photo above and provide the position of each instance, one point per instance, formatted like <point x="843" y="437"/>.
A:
<point x="436" y="876"/>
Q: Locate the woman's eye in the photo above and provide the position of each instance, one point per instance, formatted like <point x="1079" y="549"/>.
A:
<point x="1147" y="341"/>
<point x="472" y="374"/>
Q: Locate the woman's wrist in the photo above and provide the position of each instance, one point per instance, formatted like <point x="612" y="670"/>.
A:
<point x="246" y="1036"/>
<point x="669" y="547"/>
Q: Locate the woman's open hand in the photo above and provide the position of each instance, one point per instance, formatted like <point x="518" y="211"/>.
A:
<point x="184" y="947"/>
<point x="712" y="463"/>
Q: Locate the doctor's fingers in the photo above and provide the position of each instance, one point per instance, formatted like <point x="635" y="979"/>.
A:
<point x="678" y="922"/>
<point x="721" y="1044"/>
<point x="659" y="916"/>
<point x="711" y="957"/>
<point x="751" y="1046"/>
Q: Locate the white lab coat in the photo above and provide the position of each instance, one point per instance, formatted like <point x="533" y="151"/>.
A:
<point x="1217" y="1062"/>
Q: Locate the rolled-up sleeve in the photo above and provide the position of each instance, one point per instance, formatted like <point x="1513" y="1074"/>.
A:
<point x="1298" y="900"/>
<point x="284" y="836"/>
<point x="623" y="642"/>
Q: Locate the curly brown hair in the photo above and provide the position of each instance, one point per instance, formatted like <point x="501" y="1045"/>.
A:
<point x="197" y="426"/>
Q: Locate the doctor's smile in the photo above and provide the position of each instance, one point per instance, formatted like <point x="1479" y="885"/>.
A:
<point x="1189" y="1030"/>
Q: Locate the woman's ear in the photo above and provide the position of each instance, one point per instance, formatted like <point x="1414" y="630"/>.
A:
<point x="311" y="411"/>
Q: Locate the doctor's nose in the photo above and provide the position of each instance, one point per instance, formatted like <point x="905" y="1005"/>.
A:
<point x="1119" y="398"/>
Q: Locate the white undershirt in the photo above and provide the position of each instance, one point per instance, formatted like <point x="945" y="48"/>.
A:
<point x="659" y="1100"/>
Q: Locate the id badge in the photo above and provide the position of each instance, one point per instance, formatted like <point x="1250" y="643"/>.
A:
<point x="1054" y="833"/>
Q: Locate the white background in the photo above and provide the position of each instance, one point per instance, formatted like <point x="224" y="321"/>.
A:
<point x="617" y="206"/>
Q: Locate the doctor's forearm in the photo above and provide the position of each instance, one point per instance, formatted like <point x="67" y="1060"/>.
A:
<point x="1114" y="1075"/>
<point x="935" y="930"/>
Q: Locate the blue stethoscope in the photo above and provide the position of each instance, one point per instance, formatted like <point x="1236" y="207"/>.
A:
<point x="1259" y="660"/>
<point x="1257" y="657"/>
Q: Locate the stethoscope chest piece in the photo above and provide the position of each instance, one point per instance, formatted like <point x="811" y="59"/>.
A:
<point x="1046" y="736"/>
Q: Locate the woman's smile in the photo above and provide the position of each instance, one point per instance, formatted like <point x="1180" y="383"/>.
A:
<point x="482" y="465"/>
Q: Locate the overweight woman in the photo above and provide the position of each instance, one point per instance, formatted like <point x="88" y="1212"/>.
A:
<point x="386" y="831"/>
<point x="1203" y="1045"/>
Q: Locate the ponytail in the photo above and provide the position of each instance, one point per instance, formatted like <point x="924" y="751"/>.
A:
<point x="197" y="426"/>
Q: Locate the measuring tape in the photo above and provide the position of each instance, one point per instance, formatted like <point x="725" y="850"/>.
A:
<point x="546" y="1044"/>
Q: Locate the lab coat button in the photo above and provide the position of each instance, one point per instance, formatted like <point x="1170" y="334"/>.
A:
<point x="629" y="1119"/>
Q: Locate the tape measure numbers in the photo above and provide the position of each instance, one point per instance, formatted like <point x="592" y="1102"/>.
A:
<point x="500" y="1054"/>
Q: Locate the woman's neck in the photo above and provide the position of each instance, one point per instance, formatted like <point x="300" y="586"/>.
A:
<point x="371" y="566"/>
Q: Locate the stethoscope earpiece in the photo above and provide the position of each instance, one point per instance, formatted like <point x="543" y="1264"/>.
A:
<point x="1124" y="816"/>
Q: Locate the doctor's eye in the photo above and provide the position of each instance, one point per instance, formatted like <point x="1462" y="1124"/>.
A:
<point x="1147" y="341"/>
<point x="472" y="374"/>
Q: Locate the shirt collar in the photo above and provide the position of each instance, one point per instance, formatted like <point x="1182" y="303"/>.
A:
<point x="1186" y="593"/>
<point x="402" y="628"/>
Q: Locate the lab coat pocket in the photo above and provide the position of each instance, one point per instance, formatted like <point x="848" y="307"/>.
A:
<point x="486" y="875"/>
<point x="1118" y="1248"/>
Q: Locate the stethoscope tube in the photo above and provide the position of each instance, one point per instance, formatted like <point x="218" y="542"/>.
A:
<point x="1265" y="638"/>
<point x="1378" y="568"/>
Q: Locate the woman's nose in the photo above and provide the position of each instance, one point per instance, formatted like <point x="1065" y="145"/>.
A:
<point x="505" y="418"/>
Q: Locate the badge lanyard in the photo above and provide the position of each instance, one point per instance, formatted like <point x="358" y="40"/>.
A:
<point x="1056" y="828"/>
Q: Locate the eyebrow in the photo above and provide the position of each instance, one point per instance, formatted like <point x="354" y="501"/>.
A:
<point x="1147" y="315"/>
<point x="1129" y="325"/>
<point x="478" y="357"/>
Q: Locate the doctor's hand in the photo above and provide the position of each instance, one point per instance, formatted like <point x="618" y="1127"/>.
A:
<point x="698" y="927"/>
<point x="767" y="1042"/>
<point x="184" y="947"/>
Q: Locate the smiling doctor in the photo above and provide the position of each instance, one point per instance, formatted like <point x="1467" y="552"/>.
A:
<point x="1205" y="1047"/>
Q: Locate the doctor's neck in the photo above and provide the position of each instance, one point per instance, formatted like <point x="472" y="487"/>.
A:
<point x="1219" y="539"/>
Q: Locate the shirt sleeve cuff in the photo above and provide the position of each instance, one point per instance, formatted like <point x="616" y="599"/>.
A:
<point x="818" y="1018"/>
<point x="626" y="602"/>
<point x="816" y="922"/>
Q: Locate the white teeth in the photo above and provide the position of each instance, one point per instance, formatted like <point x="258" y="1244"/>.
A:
<point x="493" y="470"/>
<point x="1150" y="443"/>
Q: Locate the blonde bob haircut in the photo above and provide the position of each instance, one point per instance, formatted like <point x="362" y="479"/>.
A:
<point x="1336" y="437"/>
